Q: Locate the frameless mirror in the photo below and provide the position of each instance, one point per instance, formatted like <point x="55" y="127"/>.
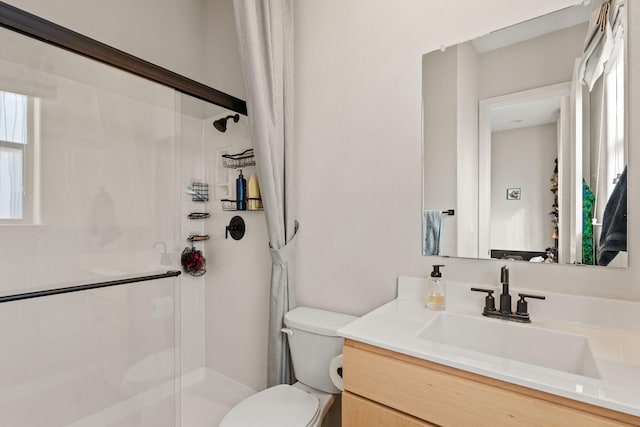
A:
<point x="524" y="151"/>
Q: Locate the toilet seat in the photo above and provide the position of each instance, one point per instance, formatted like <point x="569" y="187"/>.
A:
<point x="279" y="406"/>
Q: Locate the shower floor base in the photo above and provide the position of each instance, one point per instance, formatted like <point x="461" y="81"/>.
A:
<point x="207" y="396"/>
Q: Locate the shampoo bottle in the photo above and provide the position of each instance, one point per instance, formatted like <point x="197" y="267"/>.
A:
<point x="436" y="292"/>
<point x="241" y="192"/>
<point x="253" y="194"/>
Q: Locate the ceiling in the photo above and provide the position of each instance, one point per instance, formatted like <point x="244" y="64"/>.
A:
<point x="536" y="27"/>
<point x="525" y="114"/>
<point x="542" y="111"/>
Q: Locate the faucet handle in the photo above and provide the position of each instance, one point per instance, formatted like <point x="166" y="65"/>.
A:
<point x="489" y="291"/>
<point x="504" y="275"/>
<point x="521" y="306"/>
<point x="489" y="301"/>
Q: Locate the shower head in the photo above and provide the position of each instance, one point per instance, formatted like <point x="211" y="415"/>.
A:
<point x="221" y="124"/>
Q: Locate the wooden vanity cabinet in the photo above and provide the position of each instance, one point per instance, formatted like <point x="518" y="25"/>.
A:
<point x="386" y="389"/>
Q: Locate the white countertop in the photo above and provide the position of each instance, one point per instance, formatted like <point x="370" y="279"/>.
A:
<point x="614" y="341"/>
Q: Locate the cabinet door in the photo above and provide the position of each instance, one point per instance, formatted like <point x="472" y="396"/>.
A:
<point x="450" y="400"/>
<point x="360" y="412"/>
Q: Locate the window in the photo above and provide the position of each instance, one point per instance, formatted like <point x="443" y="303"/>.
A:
<point x="614" y="99"/>
<point x="15" y="159"/>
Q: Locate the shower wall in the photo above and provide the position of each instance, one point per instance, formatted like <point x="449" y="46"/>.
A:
<point x="225" y="312"/>
<point x="238" y="282"/>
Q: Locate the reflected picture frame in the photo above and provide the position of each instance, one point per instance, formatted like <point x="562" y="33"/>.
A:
<point x="513" y="193"/>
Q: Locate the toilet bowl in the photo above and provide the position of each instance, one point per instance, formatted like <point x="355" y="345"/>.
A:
<point x="281" y="406"/>
<point x="313" y="344"/>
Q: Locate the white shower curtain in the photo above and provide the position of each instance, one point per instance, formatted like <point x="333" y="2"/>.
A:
<point x="265" y="35"/>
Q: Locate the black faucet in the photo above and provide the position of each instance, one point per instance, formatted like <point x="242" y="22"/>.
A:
<point x="489" y="310"/>
<point x="505" y="298"/>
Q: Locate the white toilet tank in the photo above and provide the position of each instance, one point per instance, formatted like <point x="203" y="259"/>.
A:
<point x="314" y="343"/>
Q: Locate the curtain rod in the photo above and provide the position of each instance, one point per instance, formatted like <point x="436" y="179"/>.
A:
<point x="87" y="287"/>
<point x="38" y="28"/>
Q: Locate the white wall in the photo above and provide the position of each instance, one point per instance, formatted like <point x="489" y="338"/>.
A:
<point x="168" y="33"/>
<point x="222" y="68"/>
<point x="358" y="124"/>
<point x="522" y="158"/>
<point x="195" y="38"/>
<point x="440" y="103"/>
<point x="467" y="151"/>
<point x="517" y="67"/>
<point x="450" y="152"/>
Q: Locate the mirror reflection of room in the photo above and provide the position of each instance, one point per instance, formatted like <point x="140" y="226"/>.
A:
<point x="524" y="138"/>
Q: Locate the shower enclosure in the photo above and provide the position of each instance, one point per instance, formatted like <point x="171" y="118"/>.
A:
<point x="98" y="326"/>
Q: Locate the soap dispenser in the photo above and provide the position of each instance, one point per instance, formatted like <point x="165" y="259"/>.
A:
<point x="436" y="292"/>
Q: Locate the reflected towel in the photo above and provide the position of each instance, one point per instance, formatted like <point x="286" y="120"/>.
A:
<point x="614" y="223"/>
<point x="600" y="43"/>
<point x="431" y="227"/>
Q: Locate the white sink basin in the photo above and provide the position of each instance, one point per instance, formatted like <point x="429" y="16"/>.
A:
<point x="520" y="342"/>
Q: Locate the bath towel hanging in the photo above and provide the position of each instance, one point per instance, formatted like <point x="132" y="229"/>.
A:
<point x="604" y="39"/>
<point x="431" y="231"/>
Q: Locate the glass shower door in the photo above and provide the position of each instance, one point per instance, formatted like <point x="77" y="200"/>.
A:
<point x="103" y="357"/>
<point x="100" y="204"/>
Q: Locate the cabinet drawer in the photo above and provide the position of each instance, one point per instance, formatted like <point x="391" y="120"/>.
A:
<point x="447" y="399"/>
<point x="360" y="412"/>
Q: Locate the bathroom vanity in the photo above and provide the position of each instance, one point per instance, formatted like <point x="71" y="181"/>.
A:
<point x="407" y="391"/>
<point x="403" y="367"/>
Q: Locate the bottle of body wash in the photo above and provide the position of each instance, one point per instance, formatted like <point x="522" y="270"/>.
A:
<point x="436" y="292"/>
<point x="241" y="192"/>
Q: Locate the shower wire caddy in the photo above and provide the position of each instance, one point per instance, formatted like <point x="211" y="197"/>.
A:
<point x="198" y="215"/>
<point x="240" y="160"/>
<point x="253" y="204"/>
<point x="197" y="238"/>
<point x="199" y="191"/>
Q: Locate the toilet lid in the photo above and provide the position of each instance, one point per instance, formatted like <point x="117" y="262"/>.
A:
<point x="279" y="406"/>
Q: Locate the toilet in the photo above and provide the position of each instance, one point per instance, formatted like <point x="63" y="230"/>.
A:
<point x="313" y="343"/>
